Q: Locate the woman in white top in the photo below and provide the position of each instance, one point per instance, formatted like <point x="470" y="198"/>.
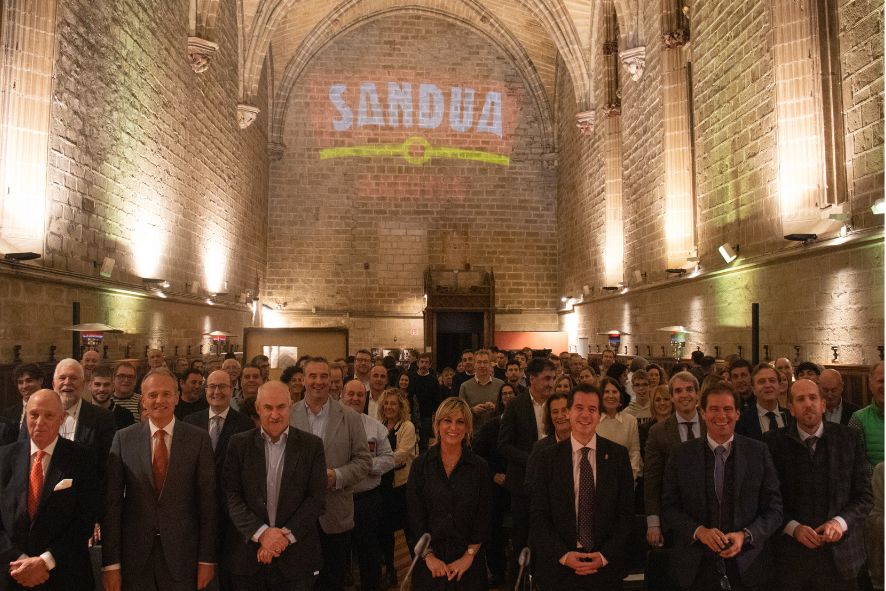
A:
<point x="619" y="427"/>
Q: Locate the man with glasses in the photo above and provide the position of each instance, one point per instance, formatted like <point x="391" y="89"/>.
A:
<point x="222" y="422"/>
<point x="124" y="388"/>
<point x="722" y="502"/>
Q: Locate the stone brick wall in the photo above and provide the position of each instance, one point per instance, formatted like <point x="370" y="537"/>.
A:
<point x="370" y="226"/>
<point x="147" y="166"/>
<point x="811" y="298"/>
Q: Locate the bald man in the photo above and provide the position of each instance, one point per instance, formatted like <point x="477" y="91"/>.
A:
<point x="48" y="499"/>
<point x="275" y="486"/>
<point x="838" y="410"/>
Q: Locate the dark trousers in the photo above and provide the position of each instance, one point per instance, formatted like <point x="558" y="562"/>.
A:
<point x="708" y="578"/>
<point x="498" y="541"/>
<point x="269" y="578"/>
<point x="800" y="569"/>
<point x="367" y="514"/>
<point x="393" y="519"/>
<point x="156" y="576"/>
<point x="336" y="548"/>
<point x="426" y="429"/>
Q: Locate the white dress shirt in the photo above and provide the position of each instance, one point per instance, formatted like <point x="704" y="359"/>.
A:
<point x="379" y="449"/>
<point x="69" y="426"/>
<point x="764" y="420"/>
<point x="539" y="409"/>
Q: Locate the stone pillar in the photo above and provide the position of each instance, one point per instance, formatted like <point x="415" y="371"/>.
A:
<point x="613" y="249"/>
<point x="27" y="39"/>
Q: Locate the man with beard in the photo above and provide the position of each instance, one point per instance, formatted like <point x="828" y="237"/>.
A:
<point x="102" y="386"/>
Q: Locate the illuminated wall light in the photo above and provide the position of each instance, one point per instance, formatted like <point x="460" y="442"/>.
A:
<point x="271" y="318"/>
<point x="148" y="244"/>
<point x="215" y="263"/>
<point x="728" y="253"/>
<point x="879" y="207"/>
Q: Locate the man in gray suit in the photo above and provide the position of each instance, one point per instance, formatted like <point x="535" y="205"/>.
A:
<point x="161" y="484"/>
<point x="347" y="460"/>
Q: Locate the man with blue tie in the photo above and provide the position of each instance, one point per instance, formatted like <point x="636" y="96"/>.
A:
<point x="48" y="501"/>
<point x="721" y="502"/>
<point x="275" y="485"/>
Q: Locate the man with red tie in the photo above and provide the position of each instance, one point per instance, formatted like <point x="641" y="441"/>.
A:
<point x="48" y="502"/>
<point x="161" y="484"/>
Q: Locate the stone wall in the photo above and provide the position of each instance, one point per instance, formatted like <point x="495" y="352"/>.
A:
<point x="369" y="226"/>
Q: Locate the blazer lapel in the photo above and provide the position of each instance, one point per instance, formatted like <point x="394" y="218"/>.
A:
<point x="81" y="431"/>
<point x="290" y="463"/>
<point x="741" y="465"/>
<point x="564" y="467"/>
<point x="20" y="482"/>
<point x="54" y="475"/>
<point x="333" y="422"/>
<point x="260" y="470"/>
<point x="176" y="450"/>
<point x="673" y="430"/>
<point x="144" y="450"/>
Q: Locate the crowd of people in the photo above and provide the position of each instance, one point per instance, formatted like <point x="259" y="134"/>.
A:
<point x="703" y="475"/>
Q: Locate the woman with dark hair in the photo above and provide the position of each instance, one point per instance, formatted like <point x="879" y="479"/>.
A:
<point x="557" y="428"/>
<point x="486" y="446"/>
<point x="294" y="377"/>
<point x="657" y="376"/>
<point x="563" y="385"/>
<point x="617" y="425"/>
<point x="449" y="496"/>
<point x="618" y="371"/>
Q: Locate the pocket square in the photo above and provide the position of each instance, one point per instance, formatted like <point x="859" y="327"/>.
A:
<point x="63" y="484"/>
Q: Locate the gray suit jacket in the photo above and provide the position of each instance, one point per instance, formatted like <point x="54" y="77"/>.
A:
<point x="184" y="515"/>
<point x="663" y="437"/>
<point x="344" y="444"/>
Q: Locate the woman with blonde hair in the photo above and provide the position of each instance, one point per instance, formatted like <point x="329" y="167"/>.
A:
<point x="449" y="496"/>
<point x="393" y="412"/>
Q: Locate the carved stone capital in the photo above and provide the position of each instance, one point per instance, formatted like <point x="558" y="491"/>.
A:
<point x="550" y="160"/>
<point x="200" y="53"/>
<point x="585" y="121"/>
<point x="676" y="38"/>
<point x="275" y="151"/>
<point x="612" y="110"/>
<point x="246" y="114"/>
<point x="634" y="61"/>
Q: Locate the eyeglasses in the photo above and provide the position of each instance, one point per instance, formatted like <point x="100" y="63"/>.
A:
<point x="123" y="376"/>
<point x="217" y="387"/>
<point x="725" y="585"/>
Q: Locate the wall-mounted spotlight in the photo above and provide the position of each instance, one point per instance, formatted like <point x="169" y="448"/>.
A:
<point x="639" y="276"/>
<point x="836" y="351"/>
<point x="804" y="238"/>
<point x="676" y="271"/>
<point x="879" y="207"/>
<point x="18" y="257"/>
<point x="151" y="283"/>
<point x="610" y="288"/>
<point x="728" y="252"/>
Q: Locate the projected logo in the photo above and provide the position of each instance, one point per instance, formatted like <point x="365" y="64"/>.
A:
<point x="418" y="122"/>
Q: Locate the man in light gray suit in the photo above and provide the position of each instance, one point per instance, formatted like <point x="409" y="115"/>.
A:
<point x="161" y="484"/>
<point x="347" y="460"/>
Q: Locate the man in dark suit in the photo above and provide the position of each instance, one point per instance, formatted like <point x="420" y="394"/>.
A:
<point x="684" y="425"/>
<point x="49" y="492"/>
<point x="721" y="502"/>
<point x="521" y="426"/>
<point x="161" y="484"/>
<point x="582" y="504"/>
<point x="8" y="431"/>
<point x="348" y="462"/>
<point x="28" y="379"/>
<point x="84" y="422"/>
<point x="275" y="483"/>
<point x="827" y="497"/>
<point x="221" y="422"/>
<point x="837" y="410"/>
<point x="764" y="414"/>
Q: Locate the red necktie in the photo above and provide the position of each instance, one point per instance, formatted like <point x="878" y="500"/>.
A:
<point x="161" y="460"/>
<point x="35" y="483"/>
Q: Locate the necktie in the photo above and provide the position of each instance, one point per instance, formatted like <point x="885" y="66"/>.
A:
<point x="35" y="483"/>
<point x="810" y="444"/>
<point x="586" y="493"/>
<point x="161" y="460"/>
<point x="719" y="470"/>
<point x="690" y="434"/>
<point x="773" y="424"/>
<point x="215" y="430"/>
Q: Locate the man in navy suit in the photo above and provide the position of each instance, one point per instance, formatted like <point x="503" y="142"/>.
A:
<point x="222" y="422"/>
<point x="49" y="492"/>
<point x="764" y="414"/>
<point x="722" y="503"/>
<point x="827" y="497"/>
<point x="582" y="504"/>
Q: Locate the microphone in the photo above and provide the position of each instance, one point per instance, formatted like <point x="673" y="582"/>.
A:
<point x="420" y="548"/>
<point x="523" y="561"/>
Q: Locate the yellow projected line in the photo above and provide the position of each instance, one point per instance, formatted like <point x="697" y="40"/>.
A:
<point x="415" y="150"/>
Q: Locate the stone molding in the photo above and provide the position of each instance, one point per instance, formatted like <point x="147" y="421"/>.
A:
<point x="200" y="53"/>
<point x="585" y="121"/>
<point x="246" y="115"/>
<point x="634" y="61"/>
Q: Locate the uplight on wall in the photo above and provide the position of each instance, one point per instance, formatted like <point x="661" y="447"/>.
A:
<point x="728" y="252"/>
<point x="879" y="207"/>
